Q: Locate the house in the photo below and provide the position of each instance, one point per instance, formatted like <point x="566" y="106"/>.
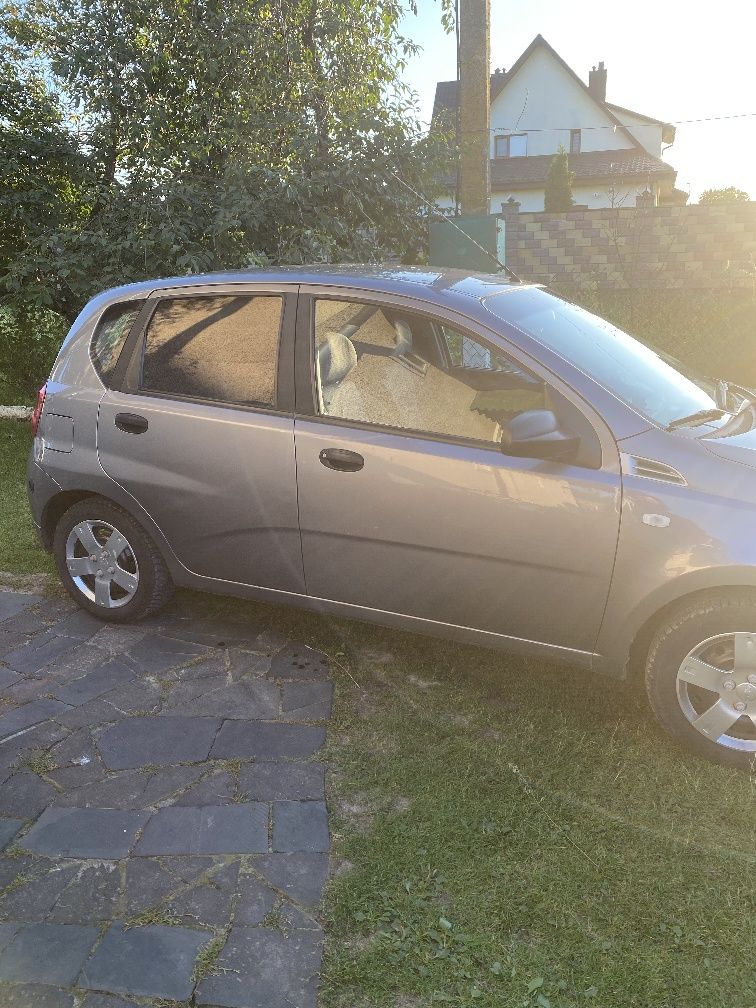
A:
<point x="541" y="104"/>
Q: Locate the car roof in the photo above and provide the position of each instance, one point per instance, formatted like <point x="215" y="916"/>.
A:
<point x="428" y="283"/>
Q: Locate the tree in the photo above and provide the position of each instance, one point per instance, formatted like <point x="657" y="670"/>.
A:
<point x="728" y="195"/>
<point x="558" y="196"/>
<point x="189" y="135"/>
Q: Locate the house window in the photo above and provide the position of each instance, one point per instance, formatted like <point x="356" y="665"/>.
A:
<point x="515" y="145"/>
<point x="575" y="141"/>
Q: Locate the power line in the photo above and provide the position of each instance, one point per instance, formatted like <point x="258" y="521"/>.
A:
<point x="611" y="126"/>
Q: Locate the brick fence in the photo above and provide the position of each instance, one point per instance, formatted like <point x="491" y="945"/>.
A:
<point x="695" y="247"/>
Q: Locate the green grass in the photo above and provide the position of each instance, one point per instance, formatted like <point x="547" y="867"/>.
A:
<point x="523" y="834"/>
<point x="20" y="552"/>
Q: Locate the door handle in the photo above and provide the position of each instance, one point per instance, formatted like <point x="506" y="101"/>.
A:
<point x="341" y="459"/>
<point x="131" y="423"/>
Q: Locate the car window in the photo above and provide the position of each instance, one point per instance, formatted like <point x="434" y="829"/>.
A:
<point x="396" y="369"/>
<point x="222" y="348"/>
<point x="110" y="336"/>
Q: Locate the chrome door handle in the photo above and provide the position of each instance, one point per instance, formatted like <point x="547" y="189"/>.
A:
<point x="341" y="459"/>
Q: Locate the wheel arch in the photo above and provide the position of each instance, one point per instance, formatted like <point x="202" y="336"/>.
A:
<point x="626" y="657"/>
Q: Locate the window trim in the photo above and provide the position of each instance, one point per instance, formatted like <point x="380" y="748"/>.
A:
<point x="128" y="374"/>
<point x="506" y="139"/>
<point x="306" y="377"/>
<point x="141" y="302"/>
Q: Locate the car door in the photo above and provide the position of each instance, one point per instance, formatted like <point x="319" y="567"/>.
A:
<point x="198" y="427"/>
<point x="407" y="503"/>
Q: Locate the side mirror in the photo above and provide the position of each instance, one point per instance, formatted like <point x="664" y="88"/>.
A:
<point x="537" y="434"/>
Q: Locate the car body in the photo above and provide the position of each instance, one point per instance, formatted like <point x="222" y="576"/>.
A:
<point x="310" y="477"/>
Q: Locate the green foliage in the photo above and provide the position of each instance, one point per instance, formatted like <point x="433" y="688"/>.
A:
<point x="728" y="195"/>
<point x="558" y="195"/>
<point x="177" y="137"/>
<point x="29" y="340"/>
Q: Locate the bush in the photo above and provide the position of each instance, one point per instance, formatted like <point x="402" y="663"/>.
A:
<point x="29" y="343"/>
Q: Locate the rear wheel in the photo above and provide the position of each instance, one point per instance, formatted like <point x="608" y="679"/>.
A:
<point x="701" y="676"/>
<point x="108" y="563"/>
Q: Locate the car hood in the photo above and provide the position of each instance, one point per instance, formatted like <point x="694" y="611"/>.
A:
<point x="734" y="447"/>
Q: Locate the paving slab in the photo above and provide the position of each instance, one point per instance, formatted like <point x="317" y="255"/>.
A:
<point x="110" y="674"/>
<point x="47" y="953"/>
<point x="85" y="832"/>
<point x="39" y="652"/>
<point x="28" y="715"/>
<point x="300" y="826"/>
<point x="162" y="773"/>
<point x="8" y="829"/>
<point x="295" y="661"/>
<point x="219" y="829"/>
<point x="34" y="996"/>
<point x="302" y="876"/>
<point x="153" y="961"/>
<point x="307" y="701"/>
<point x="282" y="781"/>
<point x="12" y="603"/>
<point x="157" y="653"/>
<point x="261" y="967"/>
<point x="266" y="740"/>
<point x="159" y="741"/>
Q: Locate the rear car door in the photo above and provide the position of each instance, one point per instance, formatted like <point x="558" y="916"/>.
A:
<point x="408" y="504"/>
<point x="198" y="428"/>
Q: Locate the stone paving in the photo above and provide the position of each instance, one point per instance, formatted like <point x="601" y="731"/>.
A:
<point x="163" y="828"/>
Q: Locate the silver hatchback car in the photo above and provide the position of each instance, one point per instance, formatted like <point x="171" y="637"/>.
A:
<point x="447" y="453"/>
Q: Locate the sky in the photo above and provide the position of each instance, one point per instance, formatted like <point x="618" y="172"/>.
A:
<point x="670" y="60"/>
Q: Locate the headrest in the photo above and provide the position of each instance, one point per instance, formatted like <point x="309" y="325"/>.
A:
<point x="336" y="358"/>
<point x="403" y="338"/>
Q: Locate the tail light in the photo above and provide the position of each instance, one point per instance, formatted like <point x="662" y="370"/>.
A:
<point x="37" y="411"/>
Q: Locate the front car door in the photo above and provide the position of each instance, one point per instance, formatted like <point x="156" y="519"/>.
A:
<point x="407" y="503"/>
<point x="198" y="428"/>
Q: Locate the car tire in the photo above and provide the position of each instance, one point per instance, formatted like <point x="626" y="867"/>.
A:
<point x="700" y="676"/>
<point x="120" y="580"/>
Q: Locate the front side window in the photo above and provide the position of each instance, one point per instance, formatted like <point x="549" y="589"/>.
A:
<point x="221" y="348"/>
<point x="110" y="336"/>
<point x="655" y="386"/>
<point x="401" y="370"/>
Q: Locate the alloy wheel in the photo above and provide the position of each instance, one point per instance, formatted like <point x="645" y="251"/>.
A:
<point x="716" y="690"/>
<point x="102" y="563"/>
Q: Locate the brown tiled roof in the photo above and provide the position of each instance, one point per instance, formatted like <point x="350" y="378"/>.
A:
<point x="531" y="172"/>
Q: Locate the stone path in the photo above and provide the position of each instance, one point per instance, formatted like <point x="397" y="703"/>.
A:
<point x="163" y="829"/>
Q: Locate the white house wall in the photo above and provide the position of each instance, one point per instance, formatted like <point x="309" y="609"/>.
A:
<point x="545" y="98"/>
<point x="648" y="134"/>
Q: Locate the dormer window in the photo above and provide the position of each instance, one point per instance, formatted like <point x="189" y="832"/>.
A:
<point x="514" y="145"/>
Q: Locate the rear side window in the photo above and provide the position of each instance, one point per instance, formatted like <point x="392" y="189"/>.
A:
<point x="222" y="348"/>
<point x="110" y="336"/>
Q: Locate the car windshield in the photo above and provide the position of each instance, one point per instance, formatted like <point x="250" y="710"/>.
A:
<point x="654" y="385"/>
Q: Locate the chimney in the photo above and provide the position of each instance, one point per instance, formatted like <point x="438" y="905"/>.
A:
<point x="597" y="82"/>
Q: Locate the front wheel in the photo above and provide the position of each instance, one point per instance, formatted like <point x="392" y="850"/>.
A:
<point x="701" y="676"/>
<point x="108" y="563"/>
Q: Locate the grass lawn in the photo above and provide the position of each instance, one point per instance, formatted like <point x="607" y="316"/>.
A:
<point x="506" y="832"/>
<point x="20" y="552"/>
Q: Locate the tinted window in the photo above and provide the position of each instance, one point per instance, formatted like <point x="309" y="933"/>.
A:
<point x="222" y="348"/>
<point x="654" y="386"/>
<point x="402" y="370"/>
<point x="110" y="336"/>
